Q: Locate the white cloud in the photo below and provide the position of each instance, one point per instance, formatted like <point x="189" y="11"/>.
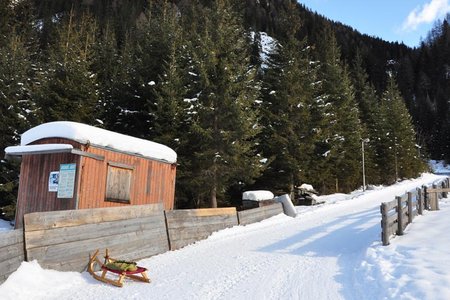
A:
<point x="427" y="13"/>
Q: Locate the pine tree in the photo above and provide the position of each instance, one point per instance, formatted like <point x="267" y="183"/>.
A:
<point x="287" y="135"/>
<point x="342" y="134"/>
<point x="223" y="121"/>
<point x="368" y="103"/>
<point x="400" y="157"/>
<point x="68" y="88"/>
<point x="16" y="110"/>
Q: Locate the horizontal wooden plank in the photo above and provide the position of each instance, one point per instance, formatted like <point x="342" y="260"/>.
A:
<point x="390" y="205"/>
<point x="248" y="217"/>
<point x="204" y="212"/>
<point x="61" y="235"/>
<point x="392" y="229"/>
<point x="78" y="262"/>
<point x="196" y="231"/>
<point x="12" y="251"/>
<point x="180" y="243"/>
<point x="67" y="218"/>
<point x="391" y="219"/>
<point x="129" y="242"/>
<point x="404" y="197"/>
<point x="438" y="190"/>
<point x="11" y="237"/>
<point x="405" y="222"/>
<point x="130" y="239"/>
<point x="184" y="222"/>
<point x="11" y="265"/>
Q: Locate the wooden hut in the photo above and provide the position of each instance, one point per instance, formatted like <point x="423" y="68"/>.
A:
<point x="68" y="165"/>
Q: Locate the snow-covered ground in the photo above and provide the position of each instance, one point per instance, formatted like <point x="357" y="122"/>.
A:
<point x="439" y="167"/>
<point x="331" y="251"/>
<point x="5" y="225"/>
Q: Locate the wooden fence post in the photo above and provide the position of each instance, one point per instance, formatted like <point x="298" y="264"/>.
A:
<point x="444" y="186"/>
<point x="420" y="201"/>
<point x="384" y="224"/>
<point x="435" y="201"/>
<point x="426" y="198"/>
<point x="399" y="216"/>
<point x="410" y="208"/>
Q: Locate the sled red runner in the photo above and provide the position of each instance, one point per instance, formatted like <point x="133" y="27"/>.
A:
<point x="138" y="273"/>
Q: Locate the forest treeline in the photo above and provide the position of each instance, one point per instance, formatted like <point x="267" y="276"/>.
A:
<point x="190" y="74"/>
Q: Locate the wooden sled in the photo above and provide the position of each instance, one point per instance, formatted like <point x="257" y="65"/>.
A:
<point x="140" y="274"/>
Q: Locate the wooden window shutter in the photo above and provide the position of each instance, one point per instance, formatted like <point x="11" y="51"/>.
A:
<point x="118" y="183"/>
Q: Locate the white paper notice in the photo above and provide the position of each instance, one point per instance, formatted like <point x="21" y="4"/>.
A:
<point x="53" y="181"/>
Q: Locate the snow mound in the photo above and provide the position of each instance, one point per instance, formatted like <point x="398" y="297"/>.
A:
<point x="260" y="195"/>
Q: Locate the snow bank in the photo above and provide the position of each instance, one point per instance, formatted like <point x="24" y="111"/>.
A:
<point x="85" y="134"/>
<point x="260" y="195"/>
<point x="30" y="281"/>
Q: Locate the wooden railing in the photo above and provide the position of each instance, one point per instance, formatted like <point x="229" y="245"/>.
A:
<point x="397" y="214"/>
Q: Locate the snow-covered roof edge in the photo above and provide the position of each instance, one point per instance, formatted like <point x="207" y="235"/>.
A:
<point x="85" y="134"/>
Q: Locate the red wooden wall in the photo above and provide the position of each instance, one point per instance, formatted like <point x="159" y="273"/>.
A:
<point x="33" y="195"/>
<point x="152" y="181"/>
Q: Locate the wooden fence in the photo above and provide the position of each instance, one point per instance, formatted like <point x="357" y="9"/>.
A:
<point x="63" y="240"/>
<point x="397" y="214"/>
<point x="187" y="226"/>
<point x="258" y="214"/>
<point x="11" y="252"/>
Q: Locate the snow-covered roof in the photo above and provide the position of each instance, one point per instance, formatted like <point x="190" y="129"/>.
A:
<point x="47" y="148"/>
<point x="85" y="134"/>
<point x="260" y="195"/>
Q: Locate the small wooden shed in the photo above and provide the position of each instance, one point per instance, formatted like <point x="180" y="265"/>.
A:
<point x="68" y="165"/>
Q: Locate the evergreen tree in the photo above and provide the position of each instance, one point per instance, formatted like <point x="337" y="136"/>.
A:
<point x="223" y="121"/>
<point x="68" y="89"/>
<point x="16" y="111"/>
<point x="400" y="157"/>
<point x="342" y="133"/>
<point x="368" y="103"/>
<point x="287" y="135"/>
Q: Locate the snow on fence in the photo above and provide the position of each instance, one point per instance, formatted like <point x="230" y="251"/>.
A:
<point x="187" y="226"/>
<point x="11" y="252"/>
<point x="258" y="214"/>
<point x="397" y="214"/>
<point x="63" y="240"/>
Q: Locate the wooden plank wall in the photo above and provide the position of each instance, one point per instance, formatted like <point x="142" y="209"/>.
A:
<point x="33" y="195"/>
<point x="258" y="214"/>
<point x="152" y="181"/>
<point x="64" y="240"/>
<point x="190" y="225"/>
<point x="11" y="252"/>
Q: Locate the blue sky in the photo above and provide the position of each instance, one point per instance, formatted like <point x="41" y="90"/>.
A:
<point x="392" y="20"/>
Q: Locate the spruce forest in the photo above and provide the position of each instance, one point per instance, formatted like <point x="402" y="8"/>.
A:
<point x="195" y="75"/>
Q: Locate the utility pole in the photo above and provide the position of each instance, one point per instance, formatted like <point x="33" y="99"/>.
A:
<point x="363" y="163"/>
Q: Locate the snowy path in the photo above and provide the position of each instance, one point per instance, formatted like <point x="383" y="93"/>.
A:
<point x="327" y="252"/>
